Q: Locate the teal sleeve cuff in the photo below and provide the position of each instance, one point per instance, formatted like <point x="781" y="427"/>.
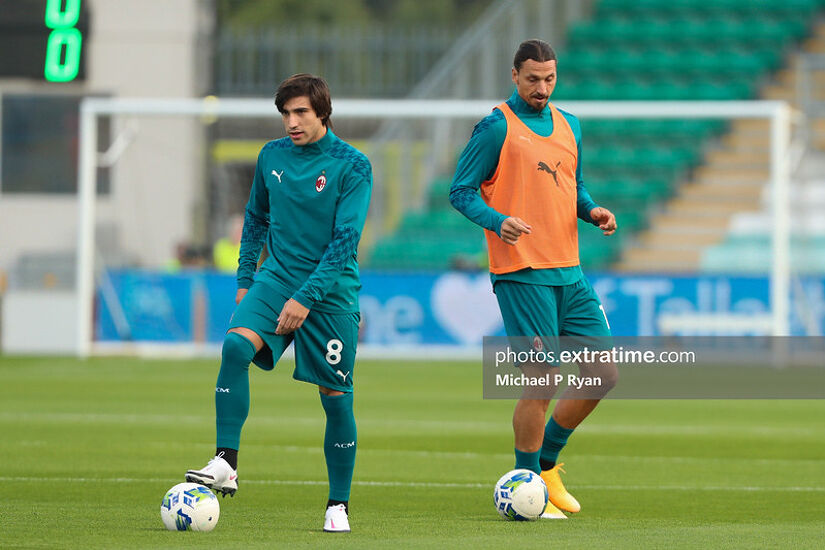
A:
<point x="584" y="204"/>
<point x="501" y="218"/>
<point x="303" y="299"/>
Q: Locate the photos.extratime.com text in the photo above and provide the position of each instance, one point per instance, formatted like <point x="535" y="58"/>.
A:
<point x="615" y="355"/>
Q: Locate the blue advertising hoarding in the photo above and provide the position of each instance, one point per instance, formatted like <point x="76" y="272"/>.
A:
<point x="450" y="308"/>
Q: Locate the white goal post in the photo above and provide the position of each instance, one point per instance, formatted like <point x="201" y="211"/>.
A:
<point x="777" y="112"/>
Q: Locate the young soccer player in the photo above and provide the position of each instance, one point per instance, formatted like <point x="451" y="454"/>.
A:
<point x="308" y="203"/>
<point x="524" y="157"/>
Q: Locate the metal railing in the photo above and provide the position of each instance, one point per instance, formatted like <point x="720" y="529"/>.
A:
<point x="356" y="61"/>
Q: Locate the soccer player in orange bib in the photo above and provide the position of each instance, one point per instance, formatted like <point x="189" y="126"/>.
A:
<point x="524" y="160"/>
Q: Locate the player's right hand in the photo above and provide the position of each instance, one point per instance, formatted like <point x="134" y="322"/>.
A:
<point x="512" y="228"/>
<point x="241" y="293"/>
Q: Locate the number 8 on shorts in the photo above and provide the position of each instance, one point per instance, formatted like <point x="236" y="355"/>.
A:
<point x="334" y="348"/>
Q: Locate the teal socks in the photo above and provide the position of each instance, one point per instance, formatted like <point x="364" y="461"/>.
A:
<point x="555" y="438"/>
<point x="528" y="461"/>
<point x="339" y="444"/>
<point x="232" y="390"/>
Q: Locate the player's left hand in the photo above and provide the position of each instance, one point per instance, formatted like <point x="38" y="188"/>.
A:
<point x="292" y="317"/>
<point x="605" y="219"/>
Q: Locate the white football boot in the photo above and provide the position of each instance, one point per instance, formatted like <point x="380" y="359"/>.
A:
<point x="336" y="519"/>
<point x="218" y="475"/>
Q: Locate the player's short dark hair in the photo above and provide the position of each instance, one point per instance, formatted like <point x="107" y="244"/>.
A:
<point x="535" y="49"/>
<point x="311" y="86"/>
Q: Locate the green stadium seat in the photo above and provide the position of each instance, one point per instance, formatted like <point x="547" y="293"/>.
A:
<point x="567" y="89"/>
<point x="587" y="32"/>
<point x="406" y="252"/>
<point x="624" y="8"/>
<point x="630" y="220"/>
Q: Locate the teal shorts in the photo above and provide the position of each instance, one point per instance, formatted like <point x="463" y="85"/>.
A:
<point x="539" y="314"/>
<point x="325" y="344"/>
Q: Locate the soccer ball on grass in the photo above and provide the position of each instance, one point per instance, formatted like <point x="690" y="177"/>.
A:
<point x="189" y="507"/>
<point x="520" y="495"/>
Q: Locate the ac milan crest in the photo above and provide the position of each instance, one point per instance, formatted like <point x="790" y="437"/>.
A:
<point x="321" y="182"/>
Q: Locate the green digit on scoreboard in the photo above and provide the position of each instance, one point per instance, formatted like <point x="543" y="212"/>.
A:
<point x="60" y="67"/>
<point x="60" y="19"/>
<point x="71" y="40"/>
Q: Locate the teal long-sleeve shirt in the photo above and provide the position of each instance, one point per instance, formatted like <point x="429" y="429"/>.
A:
<point x="308" y="204"/>
<point x="478" y="163"/>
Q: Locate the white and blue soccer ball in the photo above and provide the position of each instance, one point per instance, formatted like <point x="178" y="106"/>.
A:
<point x="520" y="495"/>
<point x="190" y="507"/>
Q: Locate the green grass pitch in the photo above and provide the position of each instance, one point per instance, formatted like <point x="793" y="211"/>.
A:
<point x="89" y="448"/>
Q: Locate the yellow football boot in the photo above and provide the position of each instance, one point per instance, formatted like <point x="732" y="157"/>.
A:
<point x="559" y="496"/>
<point x="551" y="512"/>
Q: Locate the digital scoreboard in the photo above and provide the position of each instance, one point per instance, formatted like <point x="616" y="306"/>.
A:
<point x="43" y="39"/>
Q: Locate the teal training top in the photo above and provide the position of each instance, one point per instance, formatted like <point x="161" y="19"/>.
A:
<point x="478" y="163"/>
<point x="309" y="204"/>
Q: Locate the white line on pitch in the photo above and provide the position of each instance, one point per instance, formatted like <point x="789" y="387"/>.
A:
<point x="441" y="424"/>
<point x="469" y="455"/>
<point x="421" y="484"/>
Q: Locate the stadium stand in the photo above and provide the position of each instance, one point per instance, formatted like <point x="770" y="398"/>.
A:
<point x="675" y="185"/>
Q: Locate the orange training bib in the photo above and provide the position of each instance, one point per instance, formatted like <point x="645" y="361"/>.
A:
<point x="536" y="181"/>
